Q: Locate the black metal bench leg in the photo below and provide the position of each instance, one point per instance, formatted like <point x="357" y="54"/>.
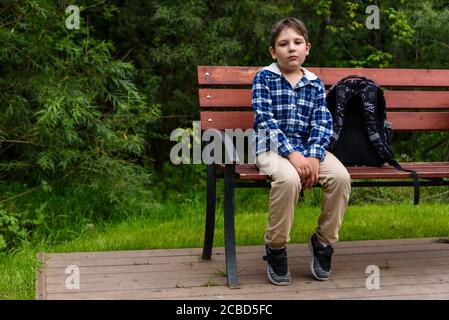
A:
<point x="229" y="232"/>
<point x="210" y="212"/>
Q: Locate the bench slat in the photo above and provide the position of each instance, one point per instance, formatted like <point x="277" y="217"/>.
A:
<point x="422" y="165"/>
<point x="403" y="121"/>
<point x="236" y="75"/>
<point x="419" y="121"/>
<point x="241" y="98"/>
<point x="424" y="170"/>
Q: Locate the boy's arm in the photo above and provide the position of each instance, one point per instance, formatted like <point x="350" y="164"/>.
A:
<point x="264" y="120"/>
<point x="321" y="127"/>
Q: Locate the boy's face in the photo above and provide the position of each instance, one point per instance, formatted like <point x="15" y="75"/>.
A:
<point x="290" y="50"/>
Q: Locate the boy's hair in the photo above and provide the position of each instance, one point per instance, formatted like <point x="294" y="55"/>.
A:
<point x="290" y="22"/>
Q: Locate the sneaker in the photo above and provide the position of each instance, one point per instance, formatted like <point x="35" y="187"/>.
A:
<point x="321" y="258"/>
<point x="277" y="268"/>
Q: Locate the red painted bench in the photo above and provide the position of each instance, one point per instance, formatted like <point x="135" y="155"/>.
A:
<point x="225" y="103"/>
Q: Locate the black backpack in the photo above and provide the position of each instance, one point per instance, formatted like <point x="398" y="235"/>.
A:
<point x="361" y="132"/>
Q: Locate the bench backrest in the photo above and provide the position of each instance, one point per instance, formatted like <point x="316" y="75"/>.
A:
<point x="417" y="99"/>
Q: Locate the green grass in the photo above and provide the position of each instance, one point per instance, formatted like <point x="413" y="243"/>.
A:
<point x="17" y="274"/>
<point x="184" y="228"/>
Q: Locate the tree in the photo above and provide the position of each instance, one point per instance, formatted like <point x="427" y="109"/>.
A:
<point x="68" y="108"/>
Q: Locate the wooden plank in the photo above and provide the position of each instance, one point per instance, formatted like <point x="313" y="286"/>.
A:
<point x="419" y="165"/>
<point x="416" y="99"/>
<point x="226" y="98"/>
<point x="429" y="170"/>
<point x="333" y="293"/>
<point x="247" y="261"/>
<point x="419" y="296"/>
<point x="299" y="251"/>
<point x="417" y="121"/>
<point x="247" y="253"/>
<point x="40" y="280"/>
<point x="347" y="247"/>
<point x="299" y="289"/>
<point x="342" y="270"/>
<point x="88" y="255"/>
<point x="226" y="120"/>
<point x="240" y="249"/>
<point x="249" y="275"/>
<point x="241" y="98"/>
<point x="393" y="175"/>
<point x="239" y="75"/>
<point x="401" y="121"/>
<point x="358" y="281"/>
<point x="248" y="266"/>
<point x="161" y="284"/>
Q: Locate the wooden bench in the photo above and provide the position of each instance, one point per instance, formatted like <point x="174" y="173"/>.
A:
<point x="421" y="104"/>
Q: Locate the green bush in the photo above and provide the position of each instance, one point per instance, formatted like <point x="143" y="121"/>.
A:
<point x="14" y="228"/>
<point x="71" y="119"/>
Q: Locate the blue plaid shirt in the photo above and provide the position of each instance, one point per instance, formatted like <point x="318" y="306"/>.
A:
<point x="290" y="119"/>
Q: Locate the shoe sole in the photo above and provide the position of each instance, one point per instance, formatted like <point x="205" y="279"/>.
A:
<point x="311" y="263"/>
<point x="277" y="283"/>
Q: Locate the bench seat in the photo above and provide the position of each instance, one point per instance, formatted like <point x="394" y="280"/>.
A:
<point x="425" y="170"/>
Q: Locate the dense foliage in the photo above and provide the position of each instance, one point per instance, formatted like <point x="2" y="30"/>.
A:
<point x="70" y="112"/>
<point x="166" y="40"/>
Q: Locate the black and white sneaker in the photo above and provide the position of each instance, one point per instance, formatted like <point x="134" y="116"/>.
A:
<point x="277" y="268"/>
<point x="321" y="258"/>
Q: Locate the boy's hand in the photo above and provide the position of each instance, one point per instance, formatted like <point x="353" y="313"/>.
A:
<point x="301" y="164"/>
<point x="312" y="179"/>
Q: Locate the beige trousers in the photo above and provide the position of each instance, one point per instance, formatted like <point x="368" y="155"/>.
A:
<point x="284" y="195"/>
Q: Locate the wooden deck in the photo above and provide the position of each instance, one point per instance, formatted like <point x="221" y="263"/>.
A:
<point x="409" y="269"/>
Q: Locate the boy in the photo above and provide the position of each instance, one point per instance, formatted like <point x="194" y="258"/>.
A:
<point x="289" y="103"/>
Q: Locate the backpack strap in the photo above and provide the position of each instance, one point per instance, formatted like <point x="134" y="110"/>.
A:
<point x="370" y="116"/>
<point x="369" y="98"/>
<point x="414" y="176"/>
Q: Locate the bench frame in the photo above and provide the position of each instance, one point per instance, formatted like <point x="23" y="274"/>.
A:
<point x="427" y="111"/>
